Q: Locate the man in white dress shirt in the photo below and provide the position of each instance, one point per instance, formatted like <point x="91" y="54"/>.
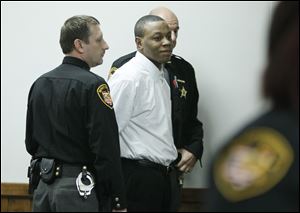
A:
<point x="142" y="105"/>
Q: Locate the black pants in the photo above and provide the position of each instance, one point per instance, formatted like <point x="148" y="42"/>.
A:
<point x="147" y="188"/>
<point x="176" y="191"/>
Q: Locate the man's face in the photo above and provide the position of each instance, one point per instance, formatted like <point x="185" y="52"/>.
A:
<point x="172" y="22"/>
<point x="156" y="43"/>
<point x="94" y="51"/>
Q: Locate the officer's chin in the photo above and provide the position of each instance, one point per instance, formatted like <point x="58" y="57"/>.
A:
<point x="100" y="62"/>
<point x="96" y="64"/>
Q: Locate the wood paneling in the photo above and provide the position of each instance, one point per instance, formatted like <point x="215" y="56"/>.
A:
<point x="193" y="200"/>
<point x="15" y="198"/>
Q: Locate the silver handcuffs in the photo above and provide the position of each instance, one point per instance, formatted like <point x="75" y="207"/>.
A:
<point x="85" y="189"/>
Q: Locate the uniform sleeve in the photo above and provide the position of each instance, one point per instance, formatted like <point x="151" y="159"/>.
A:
<point x="194" y="128"/>
<point x="119" y="62"/>
<point x="104" y="143"/>
<point x="123" y="93"/>
<point x="31" y="146"/>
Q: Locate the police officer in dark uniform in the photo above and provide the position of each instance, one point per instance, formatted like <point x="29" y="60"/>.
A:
<point x="258" y="170"/>
<point x="187" y="129"/>
<point x="71" y="129"/>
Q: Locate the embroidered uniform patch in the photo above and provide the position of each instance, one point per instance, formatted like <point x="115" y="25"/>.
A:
<point x="112" y="71"/>
<point x="253" y="164"/>
<point x="104" y="95"/>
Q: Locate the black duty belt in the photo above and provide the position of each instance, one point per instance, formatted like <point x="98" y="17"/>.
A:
<point x="51" y="169"/>
<point x="149" y="164"/>
<point x="68" y="170"/>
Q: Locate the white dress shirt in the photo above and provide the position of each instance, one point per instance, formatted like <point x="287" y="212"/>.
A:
<point x="142" y="104"/>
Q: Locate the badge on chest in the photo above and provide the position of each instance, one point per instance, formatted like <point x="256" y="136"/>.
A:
<point x="179" y="84"/>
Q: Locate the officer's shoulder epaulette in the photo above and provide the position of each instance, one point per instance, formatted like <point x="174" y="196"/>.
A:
<point x="94" y="78"/>
<point x="181" y="61"/>
<point x="252" y="163"/>
<point x="122" y="60"/>
<point x="178" y="57"/>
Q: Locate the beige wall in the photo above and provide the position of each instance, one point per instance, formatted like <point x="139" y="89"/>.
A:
<point x="224" y="41"/>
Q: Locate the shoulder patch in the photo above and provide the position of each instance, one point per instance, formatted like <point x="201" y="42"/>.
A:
<point x="252" y="164"/>
<point x="104" y="95"/>
<point x="112" y="71"/>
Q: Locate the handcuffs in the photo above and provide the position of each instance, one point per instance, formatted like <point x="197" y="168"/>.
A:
<point x="85" y="183"/>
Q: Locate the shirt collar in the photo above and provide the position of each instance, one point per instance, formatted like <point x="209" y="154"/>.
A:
<point x="150" y="67"/>
<point x="76" y="61"/>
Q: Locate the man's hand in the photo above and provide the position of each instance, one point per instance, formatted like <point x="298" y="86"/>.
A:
<point x="187" y="162"/>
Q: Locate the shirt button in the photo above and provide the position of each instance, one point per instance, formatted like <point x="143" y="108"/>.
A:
<point x="118" y="205"/>
<point x="116" y="199"/>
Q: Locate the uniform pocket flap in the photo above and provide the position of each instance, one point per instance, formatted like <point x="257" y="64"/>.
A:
<point x="46" y="165"/>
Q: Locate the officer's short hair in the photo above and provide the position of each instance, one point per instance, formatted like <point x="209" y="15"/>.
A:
<point x="281" y="77"/>
<point x="76" y="27"/>
<point x="139" y="28"/>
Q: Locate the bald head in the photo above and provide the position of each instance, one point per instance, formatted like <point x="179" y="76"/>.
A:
<point x="170" y="18"/>
<point x="164" y="13"/>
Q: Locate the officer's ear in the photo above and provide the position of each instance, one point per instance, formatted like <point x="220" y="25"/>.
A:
<point x="139" y="43"/>
<point x="78" y="45"/>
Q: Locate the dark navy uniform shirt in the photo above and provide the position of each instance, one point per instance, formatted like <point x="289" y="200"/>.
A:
<point x="70" y="118"/>
<point x="258" y="170"/>
<point x="187" y="129"/>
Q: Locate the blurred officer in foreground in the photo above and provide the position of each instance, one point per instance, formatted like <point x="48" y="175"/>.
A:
<point x="71" y="130"/>
<point x="258" y="170"/>
<point x="187" y="129"/>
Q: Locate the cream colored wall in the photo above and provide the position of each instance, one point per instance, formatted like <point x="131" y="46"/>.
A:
<point x="224" y="41"/>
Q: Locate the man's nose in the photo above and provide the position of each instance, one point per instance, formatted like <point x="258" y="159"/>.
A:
<point x="105" y="46"/>
<point x="166" y="41"/>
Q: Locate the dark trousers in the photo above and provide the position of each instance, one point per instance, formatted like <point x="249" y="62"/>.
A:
<point x="176" y="191"/>
<point x="62" y="196"/>
<point x="148" y="188"/>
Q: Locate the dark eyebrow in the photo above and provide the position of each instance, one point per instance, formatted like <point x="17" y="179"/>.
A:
<point x="157" y="33"/>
